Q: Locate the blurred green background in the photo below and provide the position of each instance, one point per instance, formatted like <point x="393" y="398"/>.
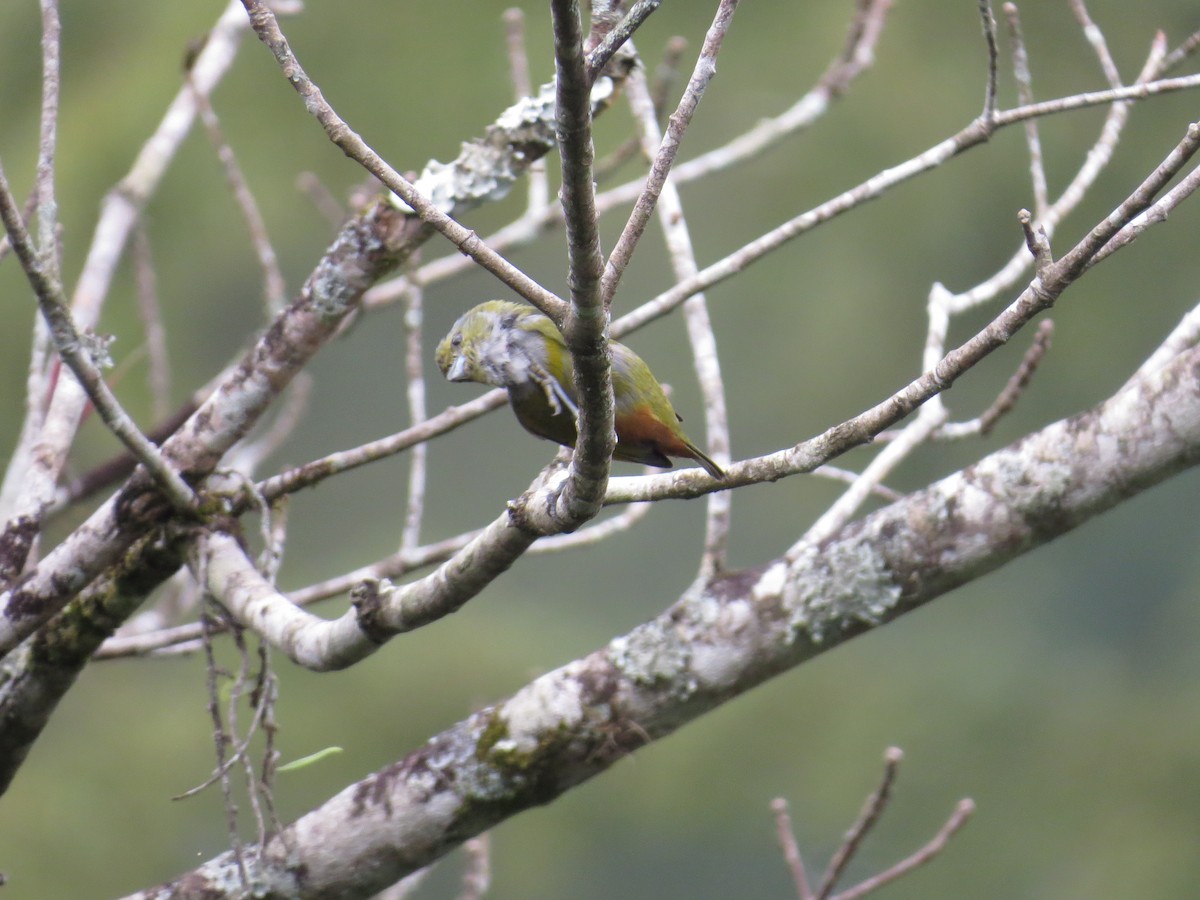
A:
<point x="1061" y="693"/>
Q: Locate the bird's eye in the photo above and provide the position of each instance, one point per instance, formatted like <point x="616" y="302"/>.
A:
<point x="456" y="341"/>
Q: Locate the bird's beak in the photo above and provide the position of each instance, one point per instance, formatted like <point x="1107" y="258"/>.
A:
<point x="458" y="370"/>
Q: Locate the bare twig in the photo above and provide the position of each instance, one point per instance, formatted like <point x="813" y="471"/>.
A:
<point x="318" y="470"/>
<point x="1037" y="242"/>
<point x="1153" y="215"/>
<point x="1094" y="164"/>
<point x="668" y="69"/>
<point x="859" y="51"/>
<point x="871" y="811"/>
<point x="1089" y="250"/>
<point x="1186" y="48"/>
<point x="683" y="261"/>
<point x="414" y="511"/>
<point x="518" y="59"/>
<point x="993" y="53"/>
<point x="1024" y="79"/>
<point x="47" y="204"/>
<point x="857" y="56"/>
<point x="618" y="35"/>
<point x="274" y="288"/>
<point x="78" y="356"/>
<point x="264" y="23"/>
<point x="322" y="198"/>
<point x="665" y="147"/>
<point x="957" y="820"/>
<point x="159" y="376"/>
<point x="834" y="473"/>
<point x="36" y="463"/>
<point x="121" y="465"/>
<point x="518" y="66"/>
<point x="593" y="532"/>
<point x="478" y="875"/>
<point x="1041" y="294"/>
<point x="221" y="741"/>
<point x="1016" y="384"/>
<point x="1096" y="38"/>
<point x="791" y="852"/>
<point x="844" y="508"/>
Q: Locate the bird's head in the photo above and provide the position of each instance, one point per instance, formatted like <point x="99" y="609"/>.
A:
<point x="496" y="343"/>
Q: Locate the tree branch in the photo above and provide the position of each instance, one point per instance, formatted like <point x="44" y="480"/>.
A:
<point x="585" y="326"/>
<point x="575" y="722"/>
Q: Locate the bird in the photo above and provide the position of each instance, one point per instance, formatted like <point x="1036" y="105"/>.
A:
<point x="514" y="346"/>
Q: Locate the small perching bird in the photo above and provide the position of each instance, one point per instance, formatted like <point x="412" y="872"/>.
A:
<point x="513" y="346"/>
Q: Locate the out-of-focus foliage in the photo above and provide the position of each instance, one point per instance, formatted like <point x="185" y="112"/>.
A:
<point x="1061" y="693"/>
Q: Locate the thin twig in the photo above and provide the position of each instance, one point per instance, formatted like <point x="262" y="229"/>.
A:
<point x="850" y="63"/>
<point x="478" y="875"/>
<point x="1186" y="48"/>
<point x="1095" y="37"/>
<point x="518" y="67"/>
<point x="321" y="197"/>
<point x="265" y="25"/>
<point x="871" y="811"/>
<point x="859" y="51"/>
<point x="266" y="693"/>
<point x="791" y="852"/>
<point x="618" y="35"/>
<point x="844" y="508"/>
<point x="1096" y="160"/>
<point x="158" y="378"/>
<point x="1016" y="384"/>
<point x="518" y="59"/>
<point x="664" y="78"/>
<point x="593" y="532"/>
<point x="410" y="534"/>
<point x="663" y="156"/>
<point x="1089" y="250"/>
<point x="1024" y="79"/>
<point x="957" y="820"/>
<point x="683" y="263"/>
<point x="1005" y="400"/>
<point x="274" y="287"/>
<point x="1155" y="214"/>
<point x="1037" y="242"/>
<point x="78" y="356"/>
<point x="221" y="741"/>
<point x="227" y="734"/>
<point x="318" y="470"/>
<point x="993" y="53"/>
<point x="846" y="476"/>
<point x="119" y="466"/>
<point x="47" y="204"/>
